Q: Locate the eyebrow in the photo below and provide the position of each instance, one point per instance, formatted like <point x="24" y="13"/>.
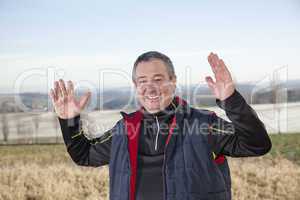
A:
<point x="158" y="75"/>
<point x="141" y="77"/>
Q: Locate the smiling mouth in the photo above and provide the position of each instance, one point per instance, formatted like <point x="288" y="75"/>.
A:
<point x="152" y="97"/>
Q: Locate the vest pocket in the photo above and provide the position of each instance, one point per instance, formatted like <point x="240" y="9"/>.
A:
<point x="175" y="180"/>
<point x="205" y="183"/>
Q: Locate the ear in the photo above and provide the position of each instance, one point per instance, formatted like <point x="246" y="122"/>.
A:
<point x="174" y="79"/>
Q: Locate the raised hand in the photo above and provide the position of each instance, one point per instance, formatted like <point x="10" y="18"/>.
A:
<point x="223" y="86"/>
<point x="65" y="104"/>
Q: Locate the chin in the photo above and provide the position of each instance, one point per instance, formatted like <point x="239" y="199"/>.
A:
<point x="153" y="108"/>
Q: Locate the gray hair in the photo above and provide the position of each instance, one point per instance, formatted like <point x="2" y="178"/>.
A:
<point x="150" y="55"/>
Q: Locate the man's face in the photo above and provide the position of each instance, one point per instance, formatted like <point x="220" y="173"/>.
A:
<point x="155" y="88"/>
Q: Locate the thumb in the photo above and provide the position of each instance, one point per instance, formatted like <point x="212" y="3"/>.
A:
<point x="84" y="100"/>
<point x="210" y="82"/>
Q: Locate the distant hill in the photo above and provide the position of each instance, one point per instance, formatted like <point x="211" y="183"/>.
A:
<point x="197" y="95"/>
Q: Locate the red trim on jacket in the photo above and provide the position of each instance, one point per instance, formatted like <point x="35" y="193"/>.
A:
<point x="220" y="159"/>
<point x="133" y="125"/>
<point x="172" y="126"/>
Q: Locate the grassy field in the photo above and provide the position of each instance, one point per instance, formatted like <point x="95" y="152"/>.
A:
<point x="46" y="172"/>
<point x="287" y="146"/>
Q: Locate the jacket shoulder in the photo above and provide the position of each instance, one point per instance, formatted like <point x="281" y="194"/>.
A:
<point x="199" y="112"/>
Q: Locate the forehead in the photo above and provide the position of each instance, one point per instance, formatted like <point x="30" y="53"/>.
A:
<point x="151" y="68"/>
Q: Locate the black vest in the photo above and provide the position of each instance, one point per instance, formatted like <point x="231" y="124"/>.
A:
<point x="190" y="171"/>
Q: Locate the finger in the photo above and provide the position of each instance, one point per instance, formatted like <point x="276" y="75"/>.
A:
<point x="215" y="60"/>
<point x="223" y="66"/>
<point x="70" y="88"/>
<point x="216" y="57"/>
<point x="62" y="87"/>
<point x="210" y="82"/>
<point x="225" y="71"/>
<point x="53" y="96"/>
<point x="57" y="90"/>
<point x="84" y="100"/>
<point x="209" y="58"/>
<point x="212" y="62"/>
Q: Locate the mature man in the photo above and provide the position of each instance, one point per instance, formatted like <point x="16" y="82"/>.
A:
<point x="166" y="150"/>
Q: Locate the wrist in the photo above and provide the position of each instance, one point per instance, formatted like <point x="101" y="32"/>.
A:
<point x="235" y="99"/>
<point x="71" y="121"/>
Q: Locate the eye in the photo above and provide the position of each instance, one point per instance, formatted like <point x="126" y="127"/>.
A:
<point x="142" y="81"/>
<point x="157" y="79"/>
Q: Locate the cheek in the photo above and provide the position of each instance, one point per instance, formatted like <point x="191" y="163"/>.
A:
<point x="140" y="91"/>
<point x="167" y="89"/>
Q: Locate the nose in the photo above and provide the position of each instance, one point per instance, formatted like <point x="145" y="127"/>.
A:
<point x="151" y="88"/>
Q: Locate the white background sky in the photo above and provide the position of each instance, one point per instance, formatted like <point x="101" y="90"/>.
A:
<point x="84" y="37"/>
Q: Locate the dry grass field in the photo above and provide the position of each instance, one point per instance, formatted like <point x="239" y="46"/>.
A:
<point x="45" y="172"/>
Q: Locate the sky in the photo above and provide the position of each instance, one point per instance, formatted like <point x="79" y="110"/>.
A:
<point x="95" y="43"/>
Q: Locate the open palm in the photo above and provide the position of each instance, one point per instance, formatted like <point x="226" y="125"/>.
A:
<point x="64" y="101"/>
<point x="223" y="86"/>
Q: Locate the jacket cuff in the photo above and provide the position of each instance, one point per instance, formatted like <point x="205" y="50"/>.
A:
<point x="72" y="122"/>
<point x="71" y="128"/>
<point x="231" y="102"/>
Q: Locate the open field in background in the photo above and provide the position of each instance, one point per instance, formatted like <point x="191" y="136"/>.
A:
<point x="44" y="128"/>
<point x="35" y="172"/>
